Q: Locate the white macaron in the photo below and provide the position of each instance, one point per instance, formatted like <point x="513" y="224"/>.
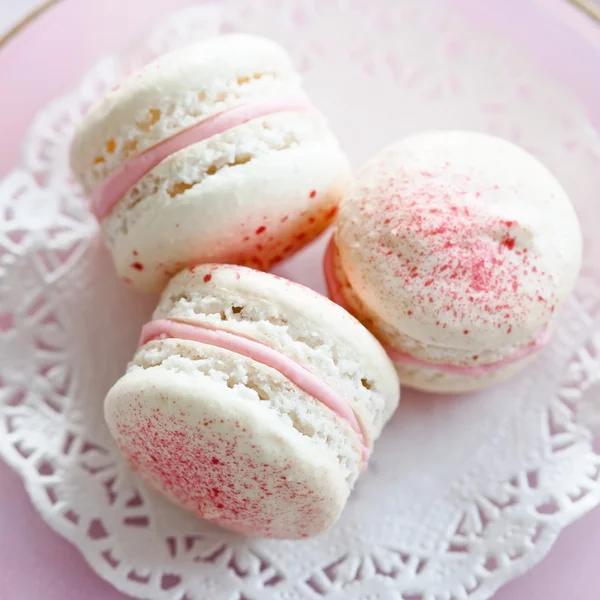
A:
<point x="457" y="250"/>
<point x="253" y="402"/>
<point x="212" y="153"/>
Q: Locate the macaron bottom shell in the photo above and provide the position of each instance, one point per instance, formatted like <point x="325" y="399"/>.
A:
<point x="232" y="440"/>
<point x="255" y="213"/>
<point x="430" y="379"/>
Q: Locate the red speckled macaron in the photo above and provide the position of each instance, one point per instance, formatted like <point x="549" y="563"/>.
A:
<point x="252" y="401"/>
<point x="457" y="250"/>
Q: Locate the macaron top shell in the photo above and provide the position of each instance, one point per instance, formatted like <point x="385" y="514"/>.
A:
<point x="173" y="93"/>
<point x="296" y="321"/>
<point x="460" y="240"/>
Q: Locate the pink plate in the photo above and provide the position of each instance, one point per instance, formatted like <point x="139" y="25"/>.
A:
<point x="47" y="57"/>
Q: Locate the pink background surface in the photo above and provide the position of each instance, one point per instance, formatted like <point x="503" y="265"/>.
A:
<point x="35" y="562"/>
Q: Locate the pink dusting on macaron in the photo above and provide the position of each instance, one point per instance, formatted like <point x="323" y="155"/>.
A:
<point x="450" y="248"/>
<point x="296" y="373"/>
<point x="336" y="294"/>
<point x="200" y="467"/>
<point x="108" y="193"/>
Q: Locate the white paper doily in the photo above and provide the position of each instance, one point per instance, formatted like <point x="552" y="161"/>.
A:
<point x="462" y="494"/>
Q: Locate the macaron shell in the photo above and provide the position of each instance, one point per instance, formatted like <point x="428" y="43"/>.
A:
<point x="255" y="213"/>
<point x="460" y="240"/>
<point x="225" y="454"/>
<point x="173" y="93"/>
<point x="431" y="380"/>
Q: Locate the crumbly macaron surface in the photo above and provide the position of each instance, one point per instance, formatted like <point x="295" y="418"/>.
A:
<point x="173" y="93"/>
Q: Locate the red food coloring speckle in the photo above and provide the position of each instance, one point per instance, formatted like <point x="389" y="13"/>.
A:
<point x="508" y="242"/>
<point x="466" y="332"/>
<point x="331" y="212"/>
<point x="301" y="236"/>
<point x="313" y="193"/>
<point x="284" y="219"/>
<point x="138" y="266"/>
<point x="509" y="330"/>
<point x="261" y="229"/>
<point x="135" y="252"/>
<point x="410" y="312"/>
<point x="207" y="278"/>
<point x="246" y="238"/>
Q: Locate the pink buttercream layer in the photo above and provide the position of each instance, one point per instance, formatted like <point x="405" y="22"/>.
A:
<point x="337" y="295"/>
<point x="296" y="373"/>
<point x="108" y="193"/>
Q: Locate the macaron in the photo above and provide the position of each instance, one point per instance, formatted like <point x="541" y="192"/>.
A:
<point x="457" y="250"/>
<point x="212" y="153"/>
<point x="252" y="401"/>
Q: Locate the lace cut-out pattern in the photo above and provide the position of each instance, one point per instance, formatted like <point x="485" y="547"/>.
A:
<point x="446" y="511"/>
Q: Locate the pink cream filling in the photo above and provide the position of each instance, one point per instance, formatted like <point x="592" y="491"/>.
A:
<point x="108" y="193"/>
<point x="337" y="295"/>
<point x="296" y="373"/>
